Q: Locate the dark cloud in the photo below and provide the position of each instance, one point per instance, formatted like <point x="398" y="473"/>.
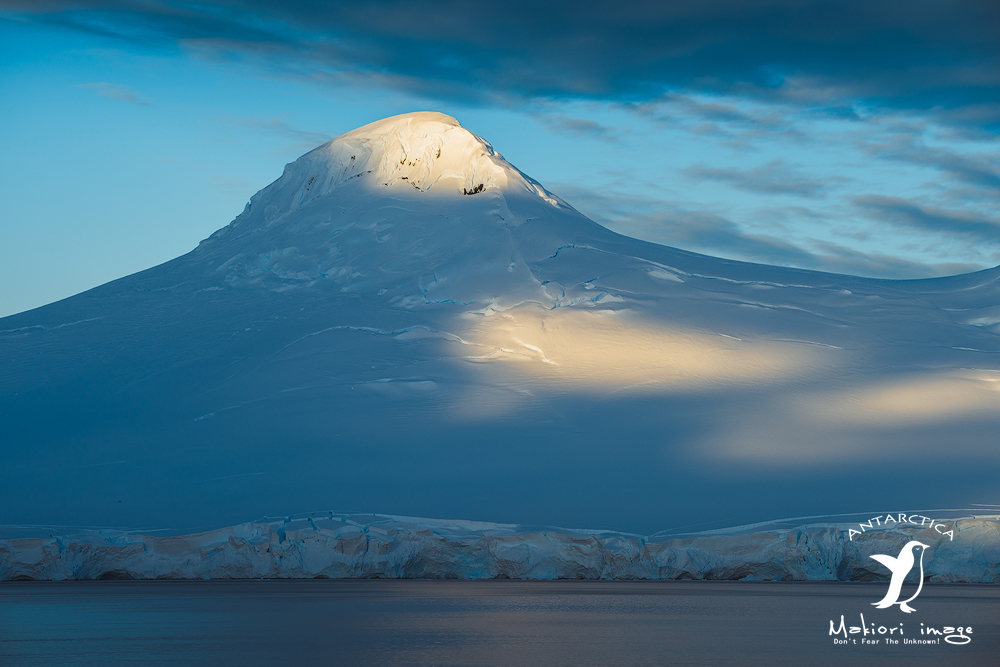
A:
<point x="913" y="54"/>
<point x="775" y="177"/>
<point x="907" y="214"/>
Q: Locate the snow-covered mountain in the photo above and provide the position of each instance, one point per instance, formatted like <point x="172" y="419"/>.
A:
<point x="405" y="323"/>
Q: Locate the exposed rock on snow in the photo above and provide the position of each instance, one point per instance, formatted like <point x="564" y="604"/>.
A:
<point x="427" y="151"/>
<point x="375" y="546"/>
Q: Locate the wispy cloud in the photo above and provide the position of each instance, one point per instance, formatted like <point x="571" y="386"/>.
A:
<point x="718" y="236"/>
<point x="911" y="215"/>
<point x="979" y="168"/>
<point x="708" y="232"/>
<point x="115" y="91"/>
<point x="837" y="258"/>
<point x="276" y="126"/>
<point x="673" y="106"/>
<point x="580" y="127"/>
<point x="775" y="177"/>
<point x="673" y="223"/>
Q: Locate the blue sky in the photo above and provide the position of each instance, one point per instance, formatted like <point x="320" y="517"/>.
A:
<point x="849" y="137"/>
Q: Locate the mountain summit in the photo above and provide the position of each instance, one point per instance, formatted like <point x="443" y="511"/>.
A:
<point x="426" y="151"/>
<point x="406" y="323"/>
<point x="410" y="201"/>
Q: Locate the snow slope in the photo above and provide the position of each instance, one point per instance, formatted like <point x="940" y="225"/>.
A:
<point x="405" y="323"/>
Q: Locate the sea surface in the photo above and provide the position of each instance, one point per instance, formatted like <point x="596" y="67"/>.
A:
<point x="503" y="623"/>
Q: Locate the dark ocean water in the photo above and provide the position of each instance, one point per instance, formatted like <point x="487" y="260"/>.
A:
<point x="503" y="623"/>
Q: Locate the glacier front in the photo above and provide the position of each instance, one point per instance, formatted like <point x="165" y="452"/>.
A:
<point x="364" y="546"/>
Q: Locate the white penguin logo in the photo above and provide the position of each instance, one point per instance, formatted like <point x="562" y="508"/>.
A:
<point x="900" y="567"/>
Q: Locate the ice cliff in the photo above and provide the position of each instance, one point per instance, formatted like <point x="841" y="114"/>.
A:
<point x="332" y="545"/>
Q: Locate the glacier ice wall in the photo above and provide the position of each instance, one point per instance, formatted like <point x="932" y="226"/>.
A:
<point x="331" y="545"/>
